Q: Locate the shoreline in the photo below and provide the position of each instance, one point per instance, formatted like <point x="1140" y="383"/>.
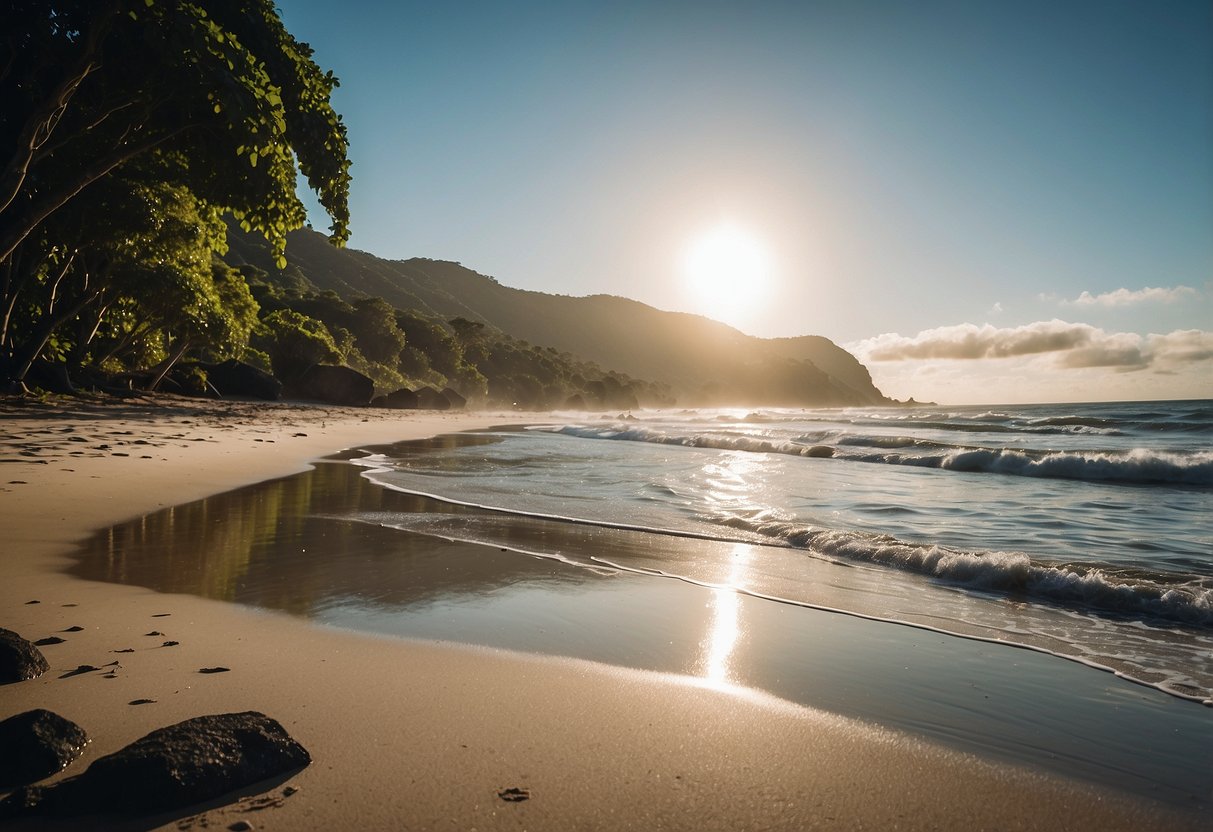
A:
<point x="417" y="734"/>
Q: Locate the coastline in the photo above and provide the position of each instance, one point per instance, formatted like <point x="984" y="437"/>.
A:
<point x="415" y="734"/>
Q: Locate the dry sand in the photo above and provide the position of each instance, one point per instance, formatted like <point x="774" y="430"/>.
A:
<point x="413" y="735"/>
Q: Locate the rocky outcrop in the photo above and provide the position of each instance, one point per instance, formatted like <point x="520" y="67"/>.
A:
<point x="19" y="659"/>
<point x="235" y="378"/>
<point x="430" y="399"/>
<point x="170" y="768"/>
<point x="333" y="384"/>
<point x="36" y="744"/>
<point x="457" y="401"/>
<point x="402" y="399"/>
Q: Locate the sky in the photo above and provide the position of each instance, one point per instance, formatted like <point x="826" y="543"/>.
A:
<point x="983" y="201"/>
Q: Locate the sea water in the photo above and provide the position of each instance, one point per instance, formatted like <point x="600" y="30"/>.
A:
<point x="881" y="563"/>
<point x="1081" y="530"/>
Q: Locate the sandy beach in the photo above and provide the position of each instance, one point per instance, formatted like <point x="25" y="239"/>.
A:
<point x="417" y="735"/>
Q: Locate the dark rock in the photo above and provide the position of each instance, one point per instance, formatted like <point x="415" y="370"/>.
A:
<point x="43" y="642"/>
<point x="402" y="399"/>
<point x="171" y="768"/>
<point x="575" y="402"/>
<point x="430" y="399"/>
<point x="334" y="385"/>
<point x="19" y="659"/>
<point x="514" y="794"/>
<point x="214" y="670"/>
<point x="457" y="401"/>
<point x="820" y="451"/>
<point x="235" y="378"/>
<point x="36" y="744"/>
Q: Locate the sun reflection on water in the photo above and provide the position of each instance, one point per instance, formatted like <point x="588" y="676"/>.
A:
<point x="725" y="628"/>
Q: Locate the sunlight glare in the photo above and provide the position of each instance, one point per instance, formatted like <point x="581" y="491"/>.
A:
<point x="727" y="271"/>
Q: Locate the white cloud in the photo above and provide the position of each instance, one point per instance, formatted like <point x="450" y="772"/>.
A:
<point x="1131" y="297"/>
<point x="1071" y="345"/>
<point x="1042" y="361"/>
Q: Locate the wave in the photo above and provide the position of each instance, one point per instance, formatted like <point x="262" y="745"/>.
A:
<point x="1137" y="466"/>
<point x="1014" y="573"/>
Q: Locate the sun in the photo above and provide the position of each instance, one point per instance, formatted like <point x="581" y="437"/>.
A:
<point x="727" y="271"/>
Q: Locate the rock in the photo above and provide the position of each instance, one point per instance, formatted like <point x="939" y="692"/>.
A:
<point x="19" y="659"/>
<point x="457" y="401"/>
<point x="171" y="768"/>
<point x="402" y="399"/>
<point x="430" y="399"/>
<point x="235" y="378"/>
<point x="575" y="402"/>
<point x="820" y="451"/>
<point x="334" y="385"/>
<point x="36" y="744"/>
<point x="43" y="642"/>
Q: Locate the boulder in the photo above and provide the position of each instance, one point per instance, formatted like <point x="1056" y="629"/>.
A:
<point x="37" y="744"/>
<point x="235" y="378"/>
<point x="19" y="659"/>
<point x="171" y="768"/>
<point x="430" y="399"/>
<point x="402" y="399"/>
<point x="332" y="384"/>
<point x="457" y="401"/>
<point x="575" y="402"/>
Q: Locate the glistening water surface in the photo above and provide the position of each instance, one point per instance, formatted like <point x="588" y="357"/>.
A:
<point x="340" y="549"/>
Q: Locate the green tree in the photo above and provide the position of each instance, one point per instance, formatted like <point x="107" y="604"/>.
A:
<point x="294" y="343"/>
<point x="225" y="103"/>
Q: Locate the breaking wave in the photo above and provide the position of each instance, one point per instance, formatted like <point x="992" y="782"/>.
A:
<point x="1087" y="587"/>
<point x="1193" y="468"/>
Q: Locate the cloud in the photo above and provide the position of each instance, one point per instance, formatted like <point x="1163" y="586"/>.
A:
<point x="1070" y="345"/>
<point x="1132" y="297"/>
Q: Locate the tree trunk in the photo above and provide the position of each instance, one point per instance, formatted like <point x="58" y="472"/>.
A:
<point x="167" y="364"/>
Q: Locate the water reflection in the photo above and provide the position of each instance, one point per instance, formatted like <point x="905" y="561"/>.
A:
<point x="330" y="545"/>
<point x="725" y="627"/>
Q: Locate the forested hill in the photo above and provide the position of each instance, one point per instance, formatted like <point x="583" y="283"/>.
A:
<point x="703" y="361"/>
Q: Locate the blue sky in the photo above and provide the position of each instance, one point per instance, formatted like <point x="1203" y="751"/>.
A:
<point x="914" y="172"/>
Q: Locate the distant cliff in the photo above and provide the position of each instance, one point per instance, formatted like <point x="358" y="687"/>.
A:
<point x="703" y="361"/>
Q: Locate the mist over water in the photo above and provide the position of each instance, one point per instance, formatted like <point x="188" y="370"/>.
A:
<point x="1080" y="530"/>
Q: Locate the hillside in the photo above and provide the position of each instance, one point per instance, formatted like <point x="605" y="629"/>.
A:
<point x="703" y="361"/>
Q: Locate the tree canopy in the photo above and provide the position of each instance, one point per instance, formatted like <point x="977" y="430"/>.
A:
<point x="129" y="127"/>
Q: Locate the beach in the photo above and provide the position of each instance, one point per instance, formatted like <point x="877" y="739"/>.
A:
<point x="426" y="735"/>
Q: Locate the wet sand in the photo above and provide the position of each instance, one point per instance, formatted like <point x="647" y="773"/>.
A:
<point x="408" y="734"/>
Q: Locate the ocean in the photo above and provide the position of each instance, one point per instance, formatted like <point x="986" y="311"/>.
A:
<point x="1029" y="582"/>
<point x="1085" y="531"/>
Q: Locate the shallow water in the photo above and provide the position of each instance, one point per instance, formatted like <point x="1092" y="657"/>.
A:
<point x="333" y="546"/>
<point x="1083" y="530"/>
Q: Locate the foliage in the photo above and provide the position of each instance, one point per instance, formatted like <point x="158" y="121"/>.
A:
<point x="128" y="128"/>
<point x="294" y="343"/>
